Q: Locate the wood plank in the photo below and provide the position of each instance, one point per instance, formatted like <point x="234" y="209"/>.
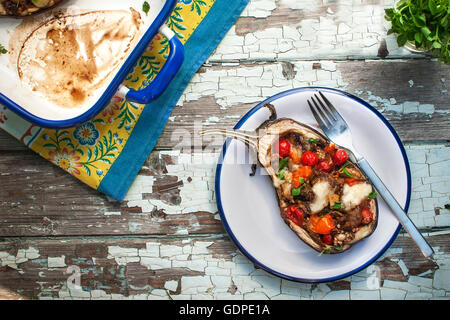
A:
<point x="220" y="94"/>
<point x="196" y="268"/>
<point x="9" y="143"/>
<point x="38" y="198"/>
<point x="412" y="95"/>
<point x="287" y="30"/>
<point x="174" y="194"/>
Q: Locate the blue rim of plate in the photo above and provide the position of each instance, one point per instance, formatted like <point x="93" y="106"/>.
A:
<point x="219" y="171"/>
<point x="109" y="91"/>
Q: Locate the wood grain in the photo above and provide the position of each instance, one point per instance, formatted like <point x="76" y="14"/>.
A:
<point x="50" y="221"/>
<point x="100" y="269"/>
<point x="366" y="79"/>
<point x="40" y="199"/>
<point x="421" y="81"/>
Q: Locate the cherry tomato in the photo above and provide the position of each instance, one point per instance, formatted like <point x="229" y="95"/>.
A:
<point x="284" y="148"/>
<point x="322" y="225"/>
<point x="367" y="216"/>
<point x="339" y="157"/>
<point x="295" y="215"/>
<point x="305" y="171"/>
<point x="324" y="165"/>
<point x="309" y="158"/>
<point x="327" y="239"/>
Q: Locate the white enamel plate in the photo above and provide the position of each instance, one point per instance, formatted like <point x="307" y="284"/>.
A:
<point x="248" y="205"/>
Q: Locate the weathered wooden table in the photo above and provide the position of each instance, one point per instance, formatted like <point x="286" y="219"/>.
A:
<point x="166" y="240"/>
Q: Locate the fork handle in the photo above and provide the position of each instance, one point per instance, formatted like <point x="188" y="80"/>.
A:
<point x="404" y="220"/>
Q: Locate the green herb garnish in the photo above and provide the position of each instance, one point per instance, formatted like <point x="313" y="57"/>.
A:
<point x="296" y="191"/>
<point x="337" y="205"/>
<point x="346" y="163"/>
<point x="311" y="140"/>
<point x="372" y="195"/>
<point x="327" y="250"/>
<point x="282" y="168"/>
<point x="424" y="23"/>
<point x="348" y="174"/>
<point x="3" y="50"/>
<point x="338" y="247"/>
<point x="283" y="163"/>
<point x="280" y="173"/>
<point x="146" y="7"/>
<point x="342" y="168"/>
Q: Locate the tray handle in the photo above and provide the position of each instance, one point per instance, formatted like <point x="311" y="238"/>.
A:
<point x="165" y="75"/>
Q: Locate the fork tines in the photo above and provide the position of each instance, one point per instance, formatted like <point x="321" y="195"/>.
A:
<point x="327" y="115"/>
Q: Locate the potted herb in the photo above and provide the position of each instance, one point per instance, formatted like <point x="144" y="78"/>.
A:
<point x="423" y="24"/>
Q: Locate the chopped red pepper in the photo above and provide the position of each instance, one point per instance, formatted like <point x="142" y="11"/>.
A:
<point x="327" y="239"/>
<point x="330" y="149"/>
<point x="352" y="182"/>
<point x="366" y="216"/>
<point x="296" y="215"/>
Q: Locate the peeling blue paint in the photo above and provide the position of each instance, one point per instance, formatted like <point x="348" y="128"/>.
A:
<point x="102" y="286"/>
<point x="134" y="226"/>
<point x="87" y="261"/>
<point x="43" y="262"/>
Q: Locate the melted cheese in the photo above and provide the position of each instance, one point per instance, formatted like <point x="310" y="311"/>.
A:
<point x="354" y="195"/>
<point x="321" y="189"/>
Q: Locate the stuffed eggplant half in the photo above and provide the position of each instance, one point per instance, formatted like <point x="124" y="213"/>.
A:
<point x="323" y="196"/>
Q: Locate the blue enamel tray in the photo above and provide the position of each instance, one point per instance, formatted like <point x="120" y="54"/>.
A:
<point x="35" y="107"/>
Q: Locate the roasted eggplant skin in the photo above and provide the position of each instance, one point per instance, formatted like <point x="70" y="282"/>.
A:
<point x="272" y="131"/>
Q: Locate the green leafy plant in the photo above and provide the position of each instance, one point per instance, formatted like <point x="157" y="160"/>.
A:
<point x="423" y="23"/>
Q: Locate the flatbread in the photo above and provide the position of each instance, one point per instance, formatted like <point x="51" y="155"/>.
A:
<point x="20" y="8"/>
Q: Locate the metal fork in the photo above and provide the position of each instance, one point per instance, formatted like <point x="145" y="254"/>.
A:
<point x="337" y="130"/>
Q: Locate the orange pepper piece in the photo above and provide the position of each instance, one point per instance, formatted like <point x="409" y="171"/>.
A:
<point x="296" y="179"/>
<point x="322" y="225"/>
<point x="305" y="171"/>
<point x="294" y="156"/>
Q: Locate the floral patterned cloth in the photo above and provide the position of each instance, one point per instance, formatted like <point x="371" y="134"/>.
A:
<point x="89" y="150"/>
